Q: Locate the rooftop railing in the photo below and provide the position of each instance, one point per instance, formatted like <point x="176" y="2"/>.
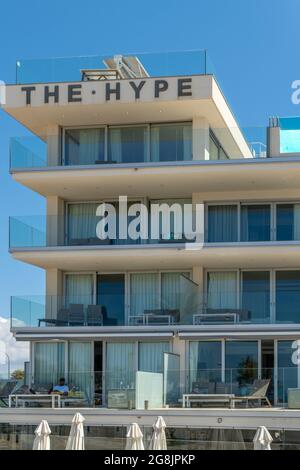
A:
<point x="113" y="66"/>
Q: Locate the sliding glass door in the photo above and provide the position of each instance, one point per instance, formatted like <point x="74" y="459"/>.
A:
<point x="127" y="144"/>
<point x="241" y="365"/>
<point x="222" y="223"/>
<point x="80" y="370"/>
<point x="256" y="295"/>
<point x="49" y="364"/>
<point x="221" y="291"/>
<point x="111" y="296"/>
<point x="288" y="296"/>
<point x="84" y="146"/>
<point x="255" y="222"/>
<point x="79" y="290"/>
<point x="288" y="222"/>
<point x="171" y="142"/>
<point x="205" y="366"/>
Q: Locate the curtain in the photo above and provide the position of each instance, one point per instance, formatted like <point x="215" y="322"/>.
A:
<point x="84" y="146"/>
<point x="155" y="144"/>
<point x="80" y="368"/>
<point x="187" y="143"/>
<point x="222" y="224"/>
<point x="120" y="365"/>
<point x="91" y="144"/>
<point x="82" y="222"/>
<point x="79" y="289"/>
<point x="171" y="290"/>
<point x="151" y="356"/>
<point x="296" y="221"/>
<point x="115" y="147"/>
<point x="173" y="229"/>
<point x="143" y="293"/>
<point x="49" y="363"/>
<point x="222" y="290"/>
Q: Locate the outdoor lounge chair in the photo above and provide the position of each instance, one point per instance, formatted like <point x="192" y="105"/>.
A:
<point x="258" y="393"/>
<point x="94" y="315"/>
<point x="76" y="316"/>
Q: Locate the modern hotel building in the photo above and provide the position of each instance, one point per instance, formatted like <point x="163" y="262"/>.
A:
<point x="148" y="320"/>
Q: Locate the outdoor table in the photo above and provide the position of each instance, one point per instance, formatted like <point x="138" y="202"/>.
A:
<point x="189" y="398"/>
<point x="23" y="398"/>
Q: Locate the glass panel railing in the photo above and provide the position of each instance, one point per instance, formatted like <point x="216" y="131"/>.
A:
<point x="186" y="307"/>
<point x="156" y="143"/>
<point x="111" y="66"/>
<point x="109" y="310"/>
<point x="110" y="438"/>
<point x="92" y="230"/>
<point x="125" y="387"/>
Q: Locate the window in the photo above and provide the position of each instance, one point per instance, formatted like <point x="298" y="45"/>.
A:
<point x="171" y="142"/>
<point x="84" y="146"/>
<point x="151" y="356"/>
<point x="173" y="225"/>
<point x="241" y="364"/>
<point x="82" y="223"/>
<point x="221" y="291"/>
<point x="205" y="365"/>
<point x="49" y="363"/>
<point x="256" y="295"/>
<point x="255" y="222"/>
<point x="127" y="144"/>
<point x="79" y="289"/>
<point x="216" y="151"/>
<point x="288" y="296"/>
<point x="120" y="366"/>
<point x="80" y="367"/>
<point x="164" y="291"/>
<point x="222" y="223"/>
<point x="288" y="221"/>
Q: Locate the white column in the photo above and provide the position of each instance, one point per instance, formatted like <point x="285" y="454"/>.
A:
<point x="274" y="141"/>
<point x="53" y="145"/>
<point x="54" y="291"/>
<point x="55" y="221"/>
<point x="200" y="138"/>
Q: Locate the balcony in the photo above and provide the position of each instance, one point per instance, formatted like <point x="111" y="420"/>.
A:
<point x="104" y="146"/>
<point x="187" y="307"/>
<point x="33" y="232"/>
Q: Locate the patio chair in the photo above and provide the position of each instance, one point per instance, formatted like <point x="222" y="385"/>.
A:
<point x="205" y="387"/>
<point x="61" y="320"/>
<point x="223" y="388"/>
<point x="76" y="316"/>
<point x="94" y="315"/>
<point x="258" y="393"/>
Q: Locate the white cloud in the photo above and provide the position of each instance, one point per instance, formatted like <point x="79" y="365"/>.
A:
<point x="17" y="351"/>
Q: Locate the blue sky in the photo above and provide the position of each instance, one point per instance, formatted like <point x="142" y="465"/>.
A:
<point x="253" y="46"/>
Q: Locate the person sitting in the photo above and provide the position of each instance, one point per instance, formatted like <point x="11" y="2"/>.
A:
<point x="61" y="388"/>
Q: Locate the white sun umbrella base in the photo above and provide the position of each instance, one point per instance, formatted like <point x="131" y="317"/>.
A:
<point x="158" y="439"/>
<point x="42" y="436"/>
<point x="134" y="438"/>
<point x="262" y="439"/>
<point x="76" y="437"/>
